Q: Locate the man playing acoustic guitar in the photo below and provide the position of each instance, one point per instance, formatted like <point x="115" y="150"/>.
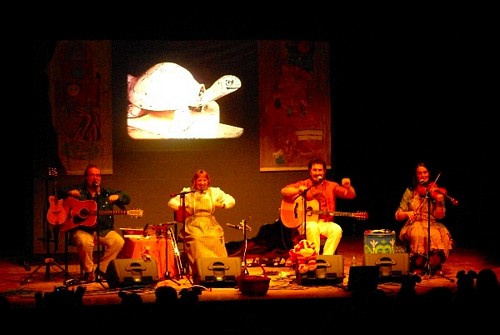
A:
<point x="317" y="191"/>
<point x="91" y="198"/>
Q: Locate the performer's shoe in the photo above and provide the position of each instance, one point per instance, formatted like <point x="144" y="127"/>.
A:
<point x="88" y="277"/>
<point x="418" y="264"/>
<point x="436" y="261"/>
<point x="99" y="275"/>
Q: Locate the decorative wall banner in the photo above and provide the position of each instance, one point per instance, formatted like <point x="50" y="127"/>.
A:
<point x="295" y="116"/>
<point x="80" y="96"/>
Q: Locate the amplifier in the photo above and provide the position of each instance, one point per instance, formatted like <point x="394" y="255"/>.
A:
<point x="131" y="272"/>
<point x="390" y="265"/>
<point x="329" y="270"/>
<point x="217" y="272"/>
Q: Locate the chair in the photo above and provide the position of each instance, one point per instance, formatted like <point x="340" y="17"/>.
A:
<point x="69" y="242"/>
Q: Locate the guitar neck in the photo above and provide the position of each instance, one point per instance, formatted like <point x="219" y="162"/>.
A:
<point x="335" y="213"/>
<point x="108" y="212"/>
<point x="292" y="214"/>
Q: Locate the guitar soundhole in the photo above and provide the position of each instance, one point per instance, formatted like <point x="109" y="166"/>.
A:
<point x="82" y="214"/>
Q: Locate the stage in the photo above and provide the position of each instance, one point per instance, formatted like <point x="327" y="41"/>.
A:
<point x="285" y="299"/>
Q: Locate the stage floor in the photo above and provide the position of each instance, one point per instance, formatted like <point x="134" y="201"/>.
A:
<point x="31" y="300"/>
<point x="20" y="292"/>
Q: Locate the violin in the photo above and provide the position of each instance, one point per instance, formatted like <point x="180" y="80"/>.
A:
<point x="434" y="191"/>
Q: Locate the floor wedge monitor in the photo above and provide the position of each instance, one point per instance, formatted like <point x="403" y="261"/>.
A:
<point x="329" y="270"/>
<point x="217" y="272"/>
<point x="128" y="272"/>
<point x="393" y="265"/>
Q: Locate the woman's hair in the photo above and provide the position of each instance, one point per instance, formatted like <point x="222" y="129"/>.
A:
<point x="415" y="180"/>
<point x="198" y="174"/>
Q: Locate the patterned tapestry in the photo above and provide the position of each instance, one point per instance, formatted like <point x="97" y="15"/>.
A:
<point x="80" y="95"/>
<point x="295" y="116"/>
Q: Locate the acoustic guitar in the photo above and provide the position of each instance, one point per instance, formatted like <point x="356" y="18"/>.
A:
<point x="292" y="213"/>
<point x="56" y="214"/>
<point x="84" y="213"/>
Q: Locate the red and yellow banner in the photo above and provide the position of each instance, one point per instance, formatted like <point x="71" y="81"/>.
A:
<point x="295" y="116"/>
<point x="80" y="95"/>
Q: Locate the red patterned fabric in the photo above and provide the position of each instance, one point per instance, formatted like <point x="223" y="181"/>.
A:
<point x="303" y="256"/>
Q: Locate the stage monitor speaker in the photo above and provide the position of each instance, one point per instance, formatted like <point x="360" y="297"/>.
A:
<point x="392" y="266"/>
<point x="329" y="270"/>
<point x="363" y="278"/>
<point x="217" y="272"/>
<point x="131" y="272"/>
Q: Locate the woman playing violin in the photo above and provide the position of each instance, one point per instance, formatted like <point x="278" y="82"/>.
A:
<point x="421" y="204"/>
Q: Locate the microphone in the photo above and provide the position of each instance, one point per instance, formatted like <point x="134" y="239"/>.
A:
<point x="181" y="193"/>
<point x="97" y="188"/>
<point x="320" y="179"/>
<point x="243" y="225"/>
<point x="239" y="227"/>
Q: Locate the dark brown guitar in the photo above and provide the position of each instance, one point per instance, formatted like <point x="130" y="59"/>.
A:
<point x="84" y="213"/>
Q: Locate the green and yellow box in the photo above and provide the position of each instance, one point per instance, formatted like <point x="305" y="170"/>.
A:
<point x="379" y="241"/>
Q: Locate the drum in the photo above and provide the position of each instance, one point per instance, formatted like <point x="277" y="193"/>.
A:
<point x="160" y="230"/>
<point x="380" y="241"/>
<point x="151" y="247"/>
<point x="132" y="232"/>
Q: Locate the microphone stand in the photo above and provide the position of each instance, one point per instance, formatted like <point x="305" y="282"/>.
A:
<point x="428" y="254"/>
<point x="98" y="277"/>
<point x="304" y="204"/>
<point x="175" y="249"/>
<point x="428" y="264"/>
<point x="245" y="271"/>
<point x="185" y="268"/>
<point x="428" y="269"/>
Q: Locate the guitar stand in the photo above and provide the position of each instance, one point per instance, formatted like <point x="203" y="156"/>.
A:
<point x="48" y="263"/>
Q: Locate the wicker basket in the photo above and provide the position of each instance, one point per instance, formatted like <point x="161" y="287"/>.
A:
<point x="252" y="285"/>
